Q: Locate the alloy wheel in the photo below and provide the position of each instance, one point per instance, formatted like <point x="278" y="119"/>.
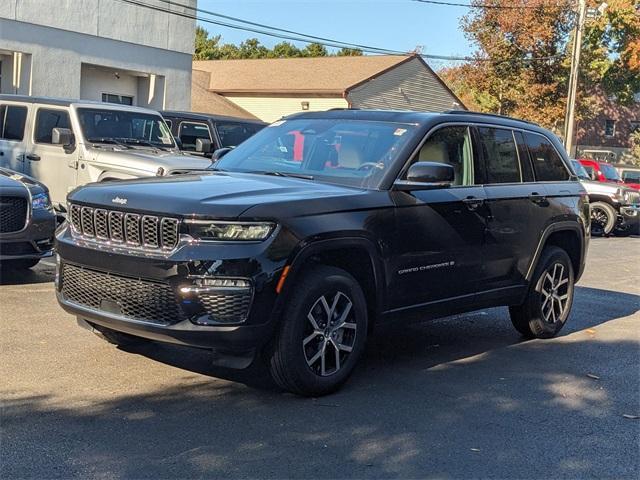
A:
<point x="555" y="293"/>
<point x="330" y="334"/>
<point x="599" y="220"/>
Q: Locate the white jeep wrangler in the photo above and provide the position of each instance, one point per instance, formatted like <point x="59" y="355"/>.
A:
<point x="66" y="143"/>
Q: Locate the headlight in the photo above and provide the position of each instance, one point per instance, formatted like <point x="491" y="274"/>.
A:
<point x="40" y="201"/>
<point x="223" y="231"/>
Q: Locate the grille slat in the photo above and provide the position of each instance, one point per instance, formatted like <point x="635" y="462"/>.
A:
<point x="145" y="231"/>
<point x="226" y="306"/>
<point x="135" y="298"/>
<point x="13" y="213"/>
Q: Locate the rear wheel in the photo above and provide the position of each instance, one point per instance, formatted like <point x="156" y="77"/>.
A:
<point x="322" y="333"/>
<point x="603" y="218"/>
<point x="20" y="264"/>
<point x="550" y="297"/>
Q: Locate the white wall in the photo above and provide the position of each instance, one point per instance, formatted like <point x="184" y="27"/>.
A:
<point x="270" y="109"/>
<point x="94" y="82"/>
<point x="57" y="57"/>
<point x="110" y="19"/>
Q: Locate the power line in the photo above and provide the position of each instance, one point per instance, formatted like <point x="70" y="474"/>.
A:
<point x="299" y="38"/>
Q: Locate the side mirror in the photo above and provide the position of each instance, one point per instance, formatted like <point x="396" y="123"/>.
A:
<point x="62" y="136"/>
<point x="219" y="153"/>
<point x="203" y="145"/>
<point x="427" y="175"/>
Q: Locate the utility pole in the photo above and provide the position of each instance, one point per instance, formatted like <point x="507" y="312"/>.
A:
<point x="569" y="118"/>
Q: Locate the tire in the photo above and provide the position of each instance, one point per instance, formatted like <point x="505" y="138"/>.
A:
<point x="117" y="338"/>
<point x="603" y="219"/>
<point x="20" y="264"/>
<point x="309" y="356"/>
<point x="554" y="274"/>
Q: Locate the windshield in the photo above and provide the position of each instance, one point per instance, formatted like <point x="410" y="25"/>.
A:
<point x="609" y="172"/>
<point x="124" y="127"/>
<point x="233" y="134"/>
<point x="631" y="176"/>
<point x="579" y="169"/>
<point x="344" y="152"/>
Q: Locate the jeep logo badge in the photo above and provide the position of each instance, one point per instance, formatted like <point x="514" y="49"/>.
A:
<point x="121" y="201"/>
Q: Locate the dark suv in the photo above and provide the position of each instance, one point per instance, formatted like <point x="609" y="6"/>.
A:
<point x="292" y="257"/>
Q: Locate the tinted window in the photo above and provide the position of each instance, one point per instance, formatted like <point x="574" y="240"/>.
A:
<point x="451" y="145"/>
<point x="500" y="155"/>
<point x="190" y="132"/>
<point x="233" y="134"/>
<point x="609" y="172"/>
<point x="12" y="120"/>
<point x="47" y="120"/>
<point x="525" y="163"/>
<point x="590" y="171"/>
<point x="546" y="162"/>
<point x="631" y="176"/>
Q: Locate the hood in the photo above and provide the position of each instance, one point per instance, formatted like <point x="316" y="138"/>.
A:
<point x="224" y="195"/>
<point x="149" y="160"/>
<point x="11" y="180"/>
<point x="606" y="188"/>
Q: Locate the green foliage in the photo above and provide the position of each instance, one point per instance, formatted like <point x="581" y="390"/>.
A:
<point x="209" y="48"/>
<point x="635" y="148"/>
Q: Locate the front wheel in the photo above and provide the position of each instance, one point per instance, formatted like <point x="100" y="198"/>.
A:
<point x="550" y="297"/>
<point x="322" y="333"/>
<point x="603" y="219"/>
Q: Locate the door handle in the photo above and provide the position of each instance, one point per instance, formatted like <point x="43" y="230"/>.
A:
<point x="33" y="157"/>
<point x="473" y="203"/>
<point x="536" y="198"/>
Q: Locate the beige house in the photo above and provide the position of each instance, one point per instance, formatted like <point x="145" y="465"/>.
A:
<point x="268" y="89"/>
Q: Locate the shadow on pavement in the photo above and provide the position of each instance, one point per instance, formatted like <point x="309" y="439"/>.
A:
<point x="42" y="273"/>
<point x="460" y="397"/>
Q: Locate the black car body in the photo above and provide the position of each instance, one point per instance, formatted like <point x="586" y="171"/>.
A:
<point x="219" y="130"/>
<point x="27" y="220"/>
<point x="219" y="260"/>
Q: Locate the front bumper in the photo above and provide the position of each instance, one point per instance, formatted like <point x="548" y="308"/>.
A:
<point x="35" y="240"/>
<point x="163" y="298"/>
<point x="629" y="218"/>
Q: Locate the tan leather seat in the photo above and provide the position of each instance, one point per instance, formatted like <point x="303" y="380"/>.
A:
<point x="349" y="156"/>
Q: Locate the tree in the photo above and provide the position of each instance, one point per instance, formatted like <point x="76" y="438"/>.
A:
<point x="504" y="79"/>
<point x="635" y="148"/>
<point x="206" y="48"/>
<point x="315" y="50"/>
<point x="251" y="48"/>
<point x="284" y="50"/>
<point x="349" y="52"/>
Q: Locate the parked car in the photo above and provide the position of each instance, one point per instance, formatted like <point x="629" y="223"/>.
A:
<point x="388" y="214"/>
<point x="66" y="143"/>
<point x="630" y="175"/>
<point x="600" y="171"/>
<point x="27" y="221"/>
<point x="214" y="131"/>
<point x="614" y="208"/>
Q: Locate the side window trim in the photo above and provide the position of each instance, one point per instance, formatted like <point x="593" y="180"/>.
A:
<point x="35" y="123"/>
<point x="523" y="150"/>
<point x="416" y="153"/>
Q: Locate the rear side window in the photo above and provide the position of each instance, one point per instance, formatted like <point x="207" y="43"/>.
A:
<point x="12" y="120"/>
<point x="46" y="121"/>
<point x="190" y="132"/>
<point x="547" y="164"/>
<point x="500" y="155"/>
<point x="233" y="134"/>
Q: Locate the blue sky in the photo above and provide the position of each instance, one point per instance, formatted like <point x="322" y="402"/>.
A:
<point x="393" y="24"/>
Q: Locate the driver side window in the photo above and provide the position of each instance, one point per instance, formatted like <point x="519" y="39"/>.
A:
<point x="450" y="145"/>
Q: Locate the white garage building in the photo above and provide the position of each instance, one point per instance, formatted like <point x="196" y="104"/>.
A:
<point x="104" y="50"/>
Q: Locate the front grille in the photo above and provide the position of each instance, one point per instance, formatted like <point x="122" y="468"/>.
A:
<point x="146" y="231"/>
<point x="226" y="306"/>
<point x="133" y="298"/>
<point x="633" y="198"/>
<point x="13" y="213"/>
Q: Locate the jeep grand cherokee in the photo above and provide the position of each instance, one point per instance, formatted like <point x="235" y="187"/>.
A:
<point x="291" y="258"/>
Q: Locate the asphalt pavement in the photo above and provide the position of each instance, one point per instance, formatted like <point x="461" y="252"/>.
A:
<point x="462" y="397"/>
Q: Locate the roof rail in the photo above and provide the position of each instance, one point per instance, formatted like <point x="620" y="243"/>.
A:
<point x="490" y="115"/>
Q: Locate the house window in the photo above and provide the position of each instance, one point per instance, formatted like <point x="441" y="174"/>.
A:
<point x="120" y="99"/>
<point x="609" y="128"/>
<point x="635" y="126"/>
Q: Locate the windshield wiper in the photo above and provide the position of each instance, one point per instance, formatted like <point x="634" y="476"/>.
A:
<point x="137" y="141"/>
<point x="287" y="174"/>
<point x="109" y="141"/>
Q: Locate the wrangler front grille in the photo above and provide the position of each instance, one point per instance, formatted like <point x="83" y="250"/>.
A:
<point x="129" y="297"/>
<point x="131" y="229"/>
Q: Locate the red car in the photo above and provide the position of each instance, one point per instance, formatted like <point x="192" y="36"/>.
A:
<point x="600" y="171"/>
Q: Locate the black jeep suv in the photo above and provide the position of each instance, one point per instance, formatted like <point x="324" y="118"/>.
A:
<point x="322" y="224"/>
